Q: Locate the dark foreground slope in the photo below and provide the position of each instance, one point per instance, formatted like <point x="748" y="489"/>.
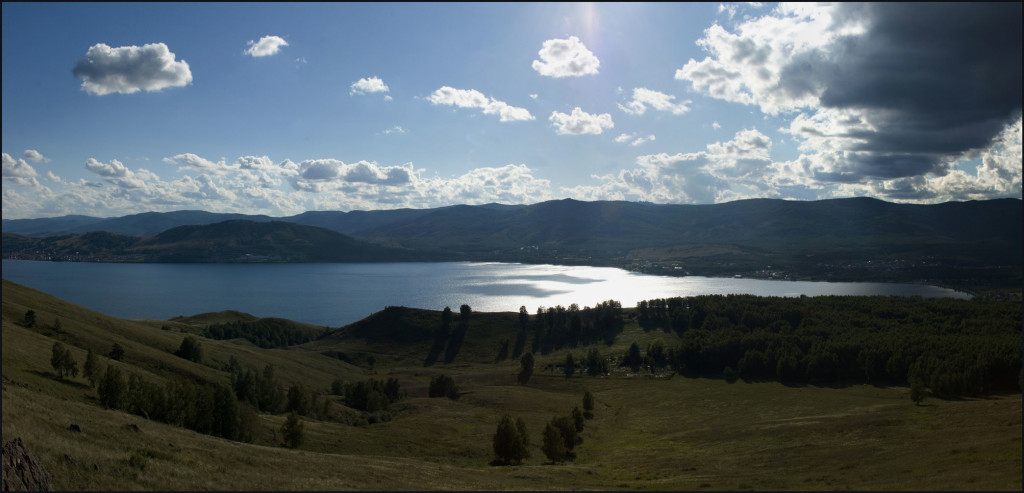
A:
<point x="658" y="431"/>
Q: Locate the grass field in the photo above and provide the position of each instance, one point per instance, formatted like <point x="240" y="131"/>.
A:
<point x="648" y="433"/>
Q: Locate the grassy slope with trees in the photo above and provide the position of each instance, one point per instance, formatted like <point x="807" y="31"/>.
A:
<point x="649" y="430"/>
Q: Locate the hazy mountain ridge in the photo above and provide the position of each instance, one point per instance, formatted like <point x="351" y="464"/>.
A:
<point x="954" y="243"/>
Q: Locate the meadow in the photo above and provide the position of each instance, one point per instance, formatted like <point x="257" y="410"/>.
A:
<point x="650" y="431"/>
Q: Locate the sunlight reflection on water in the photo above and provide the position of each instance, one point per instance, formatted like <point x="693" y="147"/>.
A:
<point x="338" y="294"/>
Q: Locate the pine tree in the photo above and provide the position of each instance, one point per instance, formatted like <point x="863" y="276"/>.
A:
<point x="91" y="369"/>
<point x="509" y="441"/>
<point x="292" y="431"/>
<point x="553" y="446"/>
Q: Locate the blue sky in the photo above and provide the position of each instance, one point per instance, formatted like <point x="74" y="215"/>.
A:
<point x="112" y="109"/>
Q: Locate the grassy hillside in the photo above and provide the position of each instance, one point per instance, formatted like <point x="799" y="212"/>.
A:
<point x="648" y="432"/>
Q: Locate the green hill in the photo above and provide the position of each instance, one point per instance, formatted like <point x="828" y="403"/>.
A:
<point x="649" y="431"/>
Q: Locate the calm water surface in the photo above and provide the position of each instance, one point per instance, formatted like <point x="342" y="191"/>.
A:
<point x="338" y="294"/>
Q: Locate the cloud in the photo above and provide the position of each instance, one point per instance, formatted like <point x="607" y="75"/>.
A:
<point x="394" y="130"/>
<point x="471" y="98"/>
<point x="633" y="139"/>
<point x="565" y="58"/>
<point x="35" y="156"/>
<point x="878" y="92"/>
<point x="712" y="175"/>
<point x="17" y="172"/>
<point x="130" y="69"/>
<point x="189" y="160"/>
<point x="580" y="122"/>
<point x="266" y="46"/>
<point x="363" y="86"/>
<point x="114" y="169"/>
<point x="643" y="97"/>
<point x="716" y="125"/>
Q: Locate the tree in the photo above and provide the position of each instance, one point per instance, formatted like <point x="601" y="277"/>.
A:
<point x="588" y="405"/>
<point x="465" y="310"/>
<point x="553" y="446"/>
<point x="633" y="359"/>
<point x="62" y="361"/>
<point x="190" y="349"/>
<point x="30" y="318"/>
<point x="917" y="390"/>
<point x="91" y="369"/>
<point x="577" y="419"/>
<point x="526" y="368"/>
<point x="510" y="441"/>
<point x="443" y="386"/>
<point x="730" y="375"/>
<point x="570" y="365"/>
<point x="112" y="389"/>
<point x="116" y="352"/>
<point x="595" y="363"/>
<point x="292" y="431"/>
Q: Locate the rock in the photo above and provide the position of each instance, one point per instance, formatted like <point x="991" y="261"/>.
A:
<point x="22" y="471"/>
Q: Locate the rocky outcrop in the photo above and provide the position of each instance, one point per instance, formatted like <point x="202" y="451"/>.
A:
<point x="22" y="471"/>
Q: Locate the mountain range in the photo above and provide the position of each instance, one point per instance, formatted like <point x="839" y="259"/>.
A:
<point x="865" y="238"/>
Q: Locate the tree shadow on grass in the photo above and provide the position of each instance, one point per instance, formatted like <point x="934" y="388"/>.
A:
<point x="55" y="378"/>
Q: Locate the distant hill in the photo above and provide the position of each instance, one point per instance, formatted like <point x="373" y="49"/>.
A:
<point x="972" y="243"/>
<point x="228" y="241"/>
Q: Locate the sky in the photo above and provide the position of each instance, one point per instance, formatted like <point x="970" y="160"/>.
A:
<point x="112" y="109"/>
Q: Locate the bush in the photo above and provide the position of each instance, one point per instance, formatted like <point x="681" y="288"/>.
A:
<point x="292" y="431"/>
<point x="554" y="445"/>
<point x="511" y="441"/>
<point x="190" y="349"/>
<point x="526" y="368"/>
<point x="62" y="361"/>
<point x="443" y="386"/>
<point x="116" y="352"/>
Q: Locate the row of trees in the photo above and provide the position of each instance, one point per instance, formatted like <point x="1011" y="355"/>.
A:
<point x="511" y="441"/>
<point x="202" y="407"/>
<point x="265" y="332"/>
<point x="955" y="347"/>
<point x="559" y="327"/>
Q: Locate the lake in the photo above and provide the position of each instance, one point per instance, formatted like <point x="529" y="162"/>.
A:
<point x="338" y="294"/>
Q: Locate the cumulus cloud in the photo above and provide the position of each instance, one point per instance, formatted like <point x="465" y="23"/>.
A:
<point x="724" y="171"/>
<point x="16" y="168"/>
<point x="113" y="169"/>
<point x="580" y="122"/>
<point x="565" y="58"/>
<point x="266" y="46"/>
<point x="364" y="86"/>
<point x="189" y="160"/>
<point x="130" y="69"/>
<point x="35" y="156"/>
<point x="633" y="139"/>
<point x="882" y="96"/>
<point x="643" y="97"/>
<point x="471" y="98"/>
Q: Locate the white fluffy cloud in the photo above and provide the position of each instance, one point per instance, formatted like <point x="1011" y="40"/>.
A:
<point x="471" y="98"/>
<point x="130" y="69"/>
<point x="633" y="139"/>
<point x="364" y="86"/>
<point x="580" y="122"/>
<point x="266" y="46"/>
<point x="643" y="97"/>
<point x="724" y="171"/>
<point x="193" y="161"/>
<point x="565" y="58"/>
<point x="35" y="156"/>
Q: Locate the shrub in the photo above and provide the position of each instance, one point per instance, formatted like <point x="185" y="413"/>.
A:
<point x="116" y="352"/>
<point x="510" y="441"/>
<point x="526" y="368"/>
<point x="292" y="431"/>
<point x="443" y="386"/>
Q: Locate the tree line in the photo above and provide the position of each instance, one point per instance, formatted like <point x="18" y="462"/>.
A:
<point x="955" y="347"/>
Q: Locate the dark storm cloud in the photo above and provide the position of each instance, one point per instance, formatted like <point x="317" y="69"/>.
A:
<point x="935" y="80"/>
